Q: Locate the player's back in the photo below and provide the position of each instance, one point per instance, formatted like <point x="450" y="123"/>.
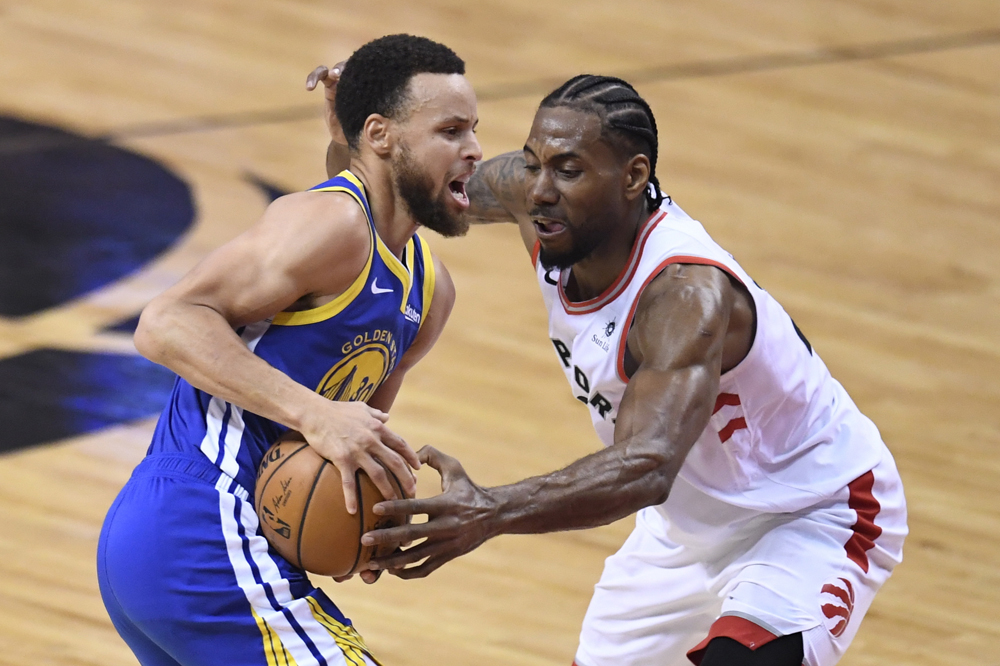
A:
<point x="343" y="349"/>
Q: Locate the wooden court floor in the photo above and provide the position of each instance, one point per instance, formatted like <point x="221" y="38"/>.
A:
<point x="847" y="153"/>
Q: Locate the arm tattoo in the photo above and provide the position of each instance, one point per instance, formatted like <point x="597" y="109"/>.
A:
<point x="496" y="190"/>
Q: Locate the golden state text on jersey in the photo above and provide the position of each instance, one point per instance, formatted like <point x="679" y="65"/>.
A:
<point x="343" y="350"/>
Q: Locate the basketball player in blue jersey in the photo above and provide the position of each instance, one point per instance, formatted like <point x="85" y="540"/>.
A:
<point x="308" y="321"/>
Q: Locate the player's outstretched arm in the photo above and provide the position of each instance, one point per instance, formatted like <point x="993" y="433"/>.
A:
<point x="496" y="194"/>
<point x="306" y="243"/>
<point x="496" y="190"/>
<point x="338" y="154"/>
<point x="677" y="338"/>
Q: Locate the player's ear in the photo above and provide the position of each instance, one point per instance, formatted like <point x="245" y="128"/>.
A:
<point x="636" y="176"/>
<point x="376" y="134"/>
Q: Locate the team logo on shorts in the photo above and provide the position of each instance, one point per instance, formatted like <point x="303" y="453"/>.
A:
<point x="838" y="604"/>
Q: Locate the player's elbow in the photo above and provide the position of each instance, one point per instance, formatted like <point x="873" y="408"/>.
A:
<point x="659" y="484"/>
<point x="149" y="333"/>
<point x="656" y="474"/>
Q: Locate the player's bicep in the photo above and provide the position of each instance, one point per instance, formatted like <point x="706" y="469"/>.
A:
<point x="240" y="280"/>
<point x="299" y="247"/>
<point x="677" y="338"/>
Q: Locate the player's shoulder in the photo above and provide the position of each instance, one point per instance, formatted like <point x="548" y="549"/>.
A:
<point x="321" y="215"/>
<point x="336" y="207"/>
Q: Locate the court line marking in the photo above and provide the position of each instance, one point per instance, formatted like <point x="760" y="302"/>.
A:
<point x="505" y="91"/>
<point x="661" y="73"/>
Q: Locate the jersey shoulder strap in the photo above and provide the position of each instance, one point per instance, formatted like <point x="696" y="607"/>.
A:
<point x="348" y="183"/>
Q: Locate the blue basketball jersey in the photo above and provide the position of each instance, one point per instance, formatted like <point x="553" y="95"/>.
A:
<point x="343" y="349"/>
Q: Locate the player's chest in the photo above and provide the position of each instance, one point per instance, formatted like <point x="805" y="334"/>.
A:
<point x="589" y="348"/>
<point x="345" y="357"/>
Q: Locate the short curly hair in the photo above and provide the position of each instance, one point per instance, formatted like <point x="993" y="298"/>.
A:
<point x="376" y="76"/>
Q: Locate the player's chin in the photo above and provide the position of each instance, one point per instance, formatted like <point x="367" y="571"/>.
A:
<point x="457" y="225"/>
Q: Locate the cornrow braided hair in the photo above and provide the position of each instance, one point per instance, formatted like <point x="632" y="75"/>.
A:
<point x="621" y="110"/>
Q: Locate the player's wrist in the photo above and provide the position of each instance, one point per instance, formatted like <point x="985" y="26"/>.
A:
<point x="500" y="509"/>
<point x="304" y="412"/>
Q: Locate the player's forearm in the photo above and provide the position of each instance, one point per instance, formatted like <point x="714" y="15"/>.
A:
<point x="198" y="344"/>
<point x="338" y="158"/>
<point x="661" y="416"/>
<point x="596" y="490"/>
<point x="496" y="190"/>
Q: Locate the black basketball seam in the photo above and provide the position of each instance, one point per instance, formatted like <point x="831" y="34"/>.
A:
<point x="263" y="482"/>
<point x="399" y="487"/>
<point x="395" y="478"/>
<point x="361" y="517"/>
<point x="305" y="512"/>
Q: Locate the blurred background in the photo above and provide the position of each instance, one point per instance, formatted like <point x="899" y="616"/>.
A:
<point x="846" y="152"/>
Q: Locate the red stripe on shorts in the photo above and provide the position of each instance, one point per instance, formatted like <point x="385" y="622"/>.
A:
<point x="731" y="427"/>
<point x="866" y="531"/>
<point x="726" y="399"/>
<point x="739" y="629"/>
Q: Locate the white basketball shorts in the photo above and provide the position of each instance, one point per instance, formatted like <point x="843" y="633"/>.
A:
<point x="667" y="592"/>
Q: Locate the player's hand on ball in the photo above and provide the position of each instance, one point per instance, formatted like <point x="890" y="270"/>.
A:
<point x="367" y="576"/>
<point x="354" y="436"/>
<point x="459" y="520"/>
<point x="329" y="77"/>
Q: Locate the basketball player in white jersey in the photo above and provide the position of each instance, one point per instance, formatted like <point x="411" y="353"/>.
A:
<point x="769" y="510"/>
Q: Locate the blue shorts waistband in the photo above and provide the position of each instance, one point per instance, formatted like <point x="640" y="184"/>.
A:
<point x="191" y="466"/>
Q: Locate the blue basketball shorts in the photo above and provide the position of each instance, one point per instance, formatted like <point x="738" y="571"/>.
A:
<point x="188" y="580"/>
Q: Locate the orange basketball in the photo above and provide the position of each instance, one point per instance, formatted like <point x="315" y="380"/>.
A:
<point x="300" y="504"/>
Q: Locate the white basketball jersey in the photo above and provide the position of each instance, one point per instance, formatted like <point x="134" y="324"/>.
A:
<point x="783" y="435"/>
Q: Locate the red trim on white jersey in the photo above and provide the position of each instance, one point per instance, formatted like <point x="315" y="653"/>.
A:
<point x="739" y="629"/>
<point x="627" y="324"/>
<point x="623" y="279"/>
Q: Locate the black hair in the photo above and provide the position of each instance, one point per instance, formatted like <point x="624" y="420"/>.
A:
<point x="624" y="114"/>
<point x="376" y="76"/>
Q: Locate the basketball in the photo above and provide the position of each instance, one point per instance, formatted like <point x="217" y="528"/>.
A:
<point x="300" y="505"/>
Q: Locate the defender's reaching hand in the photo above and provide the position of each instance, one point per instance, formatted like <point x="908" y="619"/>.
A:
<point x="459" y="520"/>
<point x="330" y="77"/>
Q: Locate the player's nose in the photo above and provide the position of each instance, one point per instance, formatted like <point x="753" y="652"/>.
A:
<point x="472" y="150"/>
<point x="541" y="190"/>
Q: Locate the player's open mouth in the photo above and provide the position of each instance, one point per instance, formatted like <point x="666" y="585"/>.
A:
<point x="546" y="228"/>
<point x="457" y="189"/>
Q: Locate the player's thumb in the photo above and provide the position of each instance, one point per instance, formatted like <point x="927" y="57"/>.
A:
<point x="446" y="466"/>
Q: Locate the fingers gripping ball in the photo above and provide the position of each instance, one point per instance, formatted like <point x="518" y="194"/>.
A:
<point x="300" y="505"/>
